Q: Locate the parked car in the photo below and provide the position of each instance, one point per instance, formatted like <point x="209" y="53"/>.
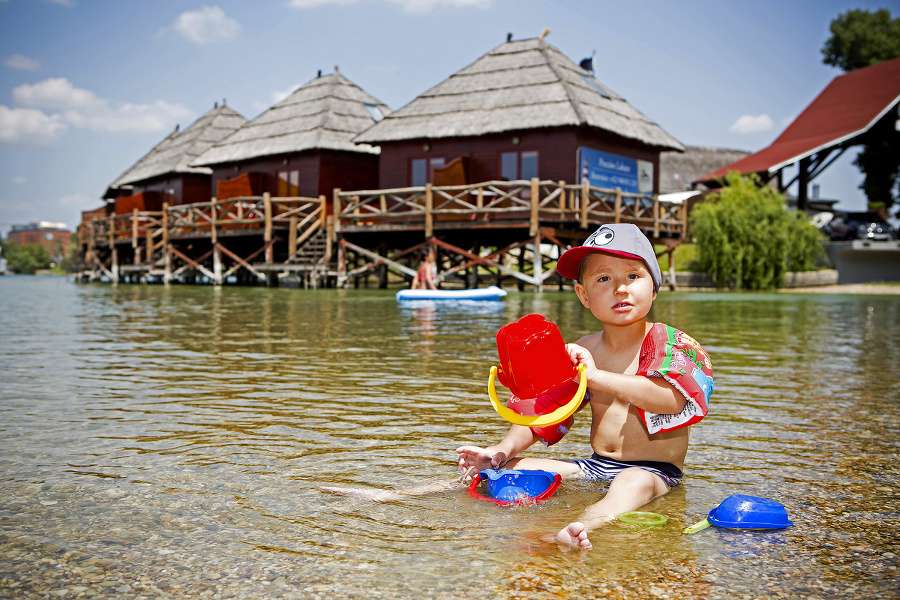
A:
<point x="859" y="226"/>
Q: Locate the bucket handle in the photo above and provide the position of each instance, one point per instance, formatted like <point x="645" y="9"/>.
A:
<point x="557" y="416"/>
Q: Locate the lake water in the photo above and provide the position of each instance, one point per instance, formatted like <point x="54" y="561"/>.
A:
<point x="170" y="442"/>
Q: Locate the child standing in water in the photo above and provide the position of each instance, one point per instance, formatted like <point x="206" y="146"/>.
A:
<point x="648" y="383"/>
<point x="425" y="276"/>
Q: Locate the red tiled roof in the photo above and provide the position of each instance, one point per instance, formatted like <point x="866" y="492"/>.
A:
<point x="848" y="107"/>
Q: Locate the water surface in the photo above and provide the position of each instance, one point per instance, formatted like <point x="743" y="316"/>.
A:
<point x="172" y="442"/>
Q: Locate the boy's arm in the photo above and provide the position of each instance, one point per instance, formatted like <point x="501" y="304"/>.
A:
<point x="474" y="458"/>
<point x="651" y="394"/>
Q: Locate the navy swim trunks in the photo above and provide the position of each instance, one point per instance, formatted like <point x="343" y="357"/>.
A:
<point x="601" y="468"/>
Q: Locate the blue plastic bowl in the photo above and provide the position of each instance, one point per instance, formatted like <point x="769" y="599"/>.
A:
<point x="512" y="485"/>
<point x="749" y="512"/>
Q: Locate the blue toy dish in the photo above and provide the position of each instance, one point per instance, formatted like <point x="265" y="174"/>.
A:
<point x="749" y="512"/>
<point x="510" y="486"/>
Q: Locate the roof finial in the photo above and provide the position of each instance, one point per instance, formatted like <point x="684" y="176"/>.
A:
<point x="544" y="33"/>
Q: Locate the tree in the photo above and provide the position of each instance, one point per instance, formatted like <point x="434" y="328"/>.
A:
<point x="25" y="258"/>
<point x="747" y="239"/>
<point x="860" y="38"/>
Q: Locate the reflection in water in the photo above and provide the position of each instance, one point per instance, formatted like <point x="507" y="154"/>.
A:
<point x="193" y="426"/>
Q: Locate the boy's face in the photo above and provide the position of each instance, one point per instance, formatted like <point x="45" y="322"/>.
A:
<point x="617" y="290"/>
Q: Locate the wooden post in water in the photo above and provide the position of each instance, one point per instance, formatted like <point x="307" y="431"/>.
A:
<point x="148" y="252"/>
<point x="214" y="238"/>
<point x="292" y="235"/>
<point x="167" y="251"/>
<point x="114" y="255"/>
<point x="135" y="243"/>
<point x="429" y="207"/>
<point x="342" y="265"/>
<point x="537" y="261"/>
<point x="327" y="226"/>
<point x="336" y="202"/>
<point x="267" y="232"/>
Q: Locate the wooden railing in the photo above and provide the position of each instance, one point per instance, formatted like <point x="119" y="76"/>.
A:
<point x="300" y="215"/>
<point x="527" y="202"/>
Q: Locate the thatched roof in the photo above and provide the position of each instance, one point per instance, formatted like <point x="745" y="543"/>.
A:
<point x="518" y="85"/>
<point x="323" y="114"/>
<point x="176" y="152"/>
<point x="679" y="170"/>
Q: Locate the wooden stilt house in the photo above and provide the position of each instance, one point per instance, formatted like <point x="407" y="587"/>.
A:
<point x="165" y="174"/>
<point x="301" y="146"/>
<point x="522" y="110"/>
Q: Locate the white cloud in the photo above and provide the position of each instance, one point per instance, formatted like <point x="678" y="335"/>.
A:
<point x="410" y="6"/>
<point x="301" y="4"/>
<point x="752" y="124"/>
<point x="29" y="127"/>
<point x="209" y="24"/>
<point x="55" y="93"/>
<point x="148" y="118"/>
<point x="22" y="63"/>
<point x="49" y="108"/>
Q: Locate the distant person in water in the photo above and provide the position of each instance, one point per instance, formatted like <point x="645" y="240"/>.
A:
<point x="425" y="276"/>
<point x="648" y="382"/>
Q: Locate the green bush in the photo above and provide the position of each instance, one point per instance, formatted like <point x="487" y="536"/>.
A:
<point x="747" y="239"/>
<point x="25" y="258"/>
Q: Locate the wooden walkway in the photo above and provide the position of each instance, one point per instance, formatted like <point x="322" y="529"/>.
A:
<point x="493" y="230"/>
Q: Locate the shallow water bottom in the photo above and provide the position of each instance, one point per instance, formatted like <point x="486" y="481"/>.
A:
<point x="173" y="443"/>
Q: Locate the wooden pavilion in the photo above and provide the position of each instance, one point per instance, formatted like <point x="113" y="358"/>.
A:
<point x="165" y="174"/>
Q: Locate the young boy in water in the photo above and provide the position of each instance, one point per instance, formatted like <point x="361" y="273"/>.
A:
<point x="648" y="383"/>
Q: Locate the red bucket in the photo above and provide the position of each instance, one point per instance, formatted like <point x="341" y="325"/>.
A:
<point x="533" y="357"/>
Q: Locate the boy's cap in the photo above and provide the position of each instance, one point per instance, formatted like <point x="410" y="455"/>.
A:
<point x="619" y="239"/>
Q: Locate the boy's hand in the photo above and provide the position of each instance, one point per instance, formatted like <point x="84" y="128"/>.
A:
<point x="473" y="459"/>
<point x="579" y="355"/>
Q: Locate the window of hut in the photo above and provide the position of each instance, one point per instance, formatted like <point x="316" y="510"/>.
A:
<point x="288" y="183"/>
<point x="420" y="170"/>
<point x="374" y="112"/>
<point x="518" y="165"/>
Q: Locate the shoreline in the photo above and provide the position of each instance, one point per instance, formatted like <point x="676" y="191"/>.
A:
<point x="875" y="289"/>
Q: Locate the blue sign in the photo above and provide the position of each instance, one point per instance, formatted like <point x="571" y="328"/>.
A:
<point x="610" y="171"/>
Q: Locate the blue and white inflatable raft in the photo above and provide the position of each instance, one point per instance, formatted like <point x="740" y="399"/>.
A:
<point x="489" y="293"/>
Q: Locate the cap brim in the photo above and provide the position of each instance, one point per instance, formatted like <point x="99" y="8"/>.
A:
<point x="570" y="262"/>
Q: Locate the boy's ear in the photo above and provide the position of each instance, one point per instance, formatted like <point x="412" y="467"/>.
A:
<point x="582" y="294"/>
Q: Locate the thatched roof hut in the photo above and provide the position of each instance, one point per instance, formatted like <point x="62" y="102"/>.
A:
<point x="519" y="85"/>
<point x="679" y="170"/>
<point x="323" y="114"/>
<point x="178" y="150"/>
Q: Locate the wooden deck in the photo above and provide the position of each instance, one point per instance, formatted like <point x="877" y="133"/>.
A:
<point x="499" y="229"/>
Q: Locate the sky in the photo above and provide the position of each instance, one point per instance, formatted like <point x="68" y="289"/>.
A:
<point x="87" y="87"/>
